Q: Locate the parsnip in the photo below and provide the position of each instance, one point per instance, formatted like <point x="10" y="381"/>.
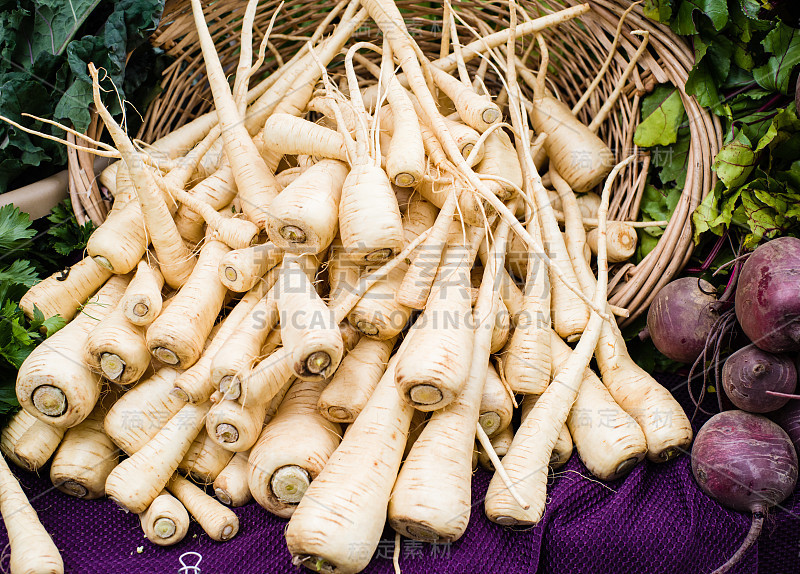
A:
<point x="240" y="269"/>
<point x="177" y="336"/>
<point x="218" y="521"/>
<point x="345" y="505"/>
<point x="308" y="327"/>
<point x="142" y="301"/>
<point x="344" y="397"/>
<point x="205" y="459"/>
<point x="32" y="549"/>
<point x="280" y="466"/>
<point x="28" y="442"/>
<point x="496" y="408"/>
<point x="230" y="486"/>
<point x="165" y="522"/>
<point x="138" y="480"/>
<point x="54" y="384"/>
<point x="65" y="291"/>
<point x="140" y="413"/>
<point x="86" y="456"/>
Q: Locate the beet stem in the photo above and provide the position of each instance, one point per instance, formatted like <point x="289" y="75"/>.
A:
<point x="714" y="251"/>
<point x="722" y="327"/>
<point x="730" y="287"/>
<point x="769" y="104"/>
<point x="752" y="536"/>
<point x="783" y="395"/>
<point x="741" y="256"/>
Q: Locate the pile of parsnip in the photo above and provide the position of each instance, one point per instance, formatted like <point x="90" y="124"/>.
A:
<point x="304" y="298"/>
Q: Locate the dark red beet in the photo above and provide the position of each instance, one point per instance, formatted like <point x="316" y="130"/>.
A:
<point x="680" y="318"/>
<point x="750" y="372"/>
<point x="748" y="463"/>
<point x="745" y="460"/>
<point x="789" y="420"/>
<point x="768" y="296"/>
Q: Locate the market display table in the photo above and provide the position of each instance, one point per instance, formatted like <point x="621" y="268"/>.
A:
<point x="654" y="521"/>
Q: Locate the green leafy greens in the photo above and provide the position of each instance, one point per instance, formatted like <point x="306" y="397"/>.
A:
<point x="662" y="129"/>
<point x="45" y="47"/>
<point x="746" y="60"/>
<point x="31" y="251"/>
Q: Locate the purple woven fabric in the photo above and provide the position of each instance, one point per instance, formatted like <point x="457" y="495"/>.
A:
<point x="654" y="521"/>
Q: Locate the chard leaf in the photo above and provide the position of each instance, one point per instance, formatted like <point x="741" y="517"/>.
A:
<point x="740" y="31"/>
<point x="662" y="114"/>
<point x="763" y="220"/>
<point x="658" y="10"/>
<point x="714" y="213"/>
<point x="54" y="25"/>
<point x="735" y="161"/>
<point x="791" y="177"/>
<point x="10" y="21"/>
<point x="750" y="8"/>
<point x="657" y="205"/>
<point x="130" y="23"/>
<point x="712" y="67"/>
<point x="783" y="43"/>
<point x="783" y="129"/>
<point x="673" y="159"/>
<point x="755" y="125"/>
<point x="45" y="46"/>
<point x="689" y="10"/>
<point x="647" y="242"/>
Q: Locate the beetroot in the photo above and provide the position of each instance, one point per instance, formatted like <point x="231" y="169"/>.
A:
<point x="768" y="296"/>
<point x="680" y="318"/>
<point x="750" y="372"/>
<point x="789" y="420"/>
<point x="748" y="463"/>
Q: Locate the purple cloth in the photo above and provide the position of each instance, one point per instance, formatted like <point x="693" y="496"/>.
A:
<point x="654" y="521"/>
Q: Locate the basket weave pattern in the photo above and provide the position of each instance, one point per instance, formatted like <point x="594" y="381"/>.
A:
<point x="577" y="51"/>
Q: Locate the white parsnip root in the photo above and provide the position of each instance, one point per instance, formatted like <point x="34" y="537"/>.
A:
<point x="29" y="442"/>
<point x="137" y="481"/>
<point x="355" y="485"/>
<point x="165" y="522"/>
<point x="281" y="467"/>
<point x="304" y="297"/>
<point x="218" y="521"/>
<point x="308" y="327"/>
<point x="230" y="486"/>
<point x="32" y="549"/>
<point x="64" y="292"/>
<point x="86" y="456"/>
<point x="54" y="384"/>
<point x="177" y="336"/>
<point x="347" y="393"/>
<point x="142" y="301"/>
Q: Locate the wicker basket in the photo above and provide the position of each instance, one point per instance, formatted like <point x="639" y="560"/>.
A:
<point x="577" y="48"/>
